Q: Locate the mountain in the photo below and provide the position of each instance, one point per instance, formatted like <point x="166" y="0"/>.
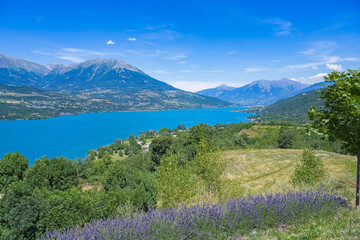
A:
<point x="215" y="92"/>
<point x="110" y="80"/>
<point x="314" y="87"/>
<point x="261" y="92"/>
<point x="17" y="71"/>
<point x="102" y="75"/>
<point x="293" y="109"/>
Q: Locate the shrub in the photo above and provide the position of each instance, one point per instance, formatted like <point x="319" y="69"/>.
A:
<point x="310" y="169"/>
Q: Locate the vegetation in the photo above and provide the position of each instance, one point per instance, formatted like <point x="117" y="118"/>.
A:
<point x="162" y="170"/>
<point x="288" y="110"/>
<point x="340" y="118"/>
<point x="310" y="170"/>
<point x="214" y="221"/>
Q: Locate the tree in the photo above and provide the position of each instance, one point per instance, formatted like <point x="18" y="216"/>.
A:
<point x="181" y="127"/>
<point x="20" y="211"/>
<point x="310" y="169"/>
<point x="56" y="173"/>
<point x="286" y="137"/>
<point x="158" y="148"/>
<point x="12" y="168"/>
<point x="339" y="119"/>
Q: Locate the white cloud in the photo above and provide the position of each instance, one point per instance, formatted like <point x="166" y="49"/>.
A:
<point x="254" y="69"/>
<point x="110" y="42"/>
<point x="318" y="76"/>
<point x="186" y="71"/>
<point x="281" y="27"/>
<point x="77" y="55"/>
<point x="131" y="39"/>
<point x="335" y="67"/>
<point x="73" y="59"/>
<point x="315" y="68"/>
<point x="83" y="51"/>
<point x="308" y="52"/>
<point x="176" y="57"/>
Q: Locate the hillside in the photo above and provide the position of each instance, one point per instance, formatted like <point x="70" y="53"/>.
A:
<point x="293" y="109"/>
<point x="118" y="84"/>
<point x="179" y="167"/>
<point x="32" y="103"/>
<point x="258" y="93"/>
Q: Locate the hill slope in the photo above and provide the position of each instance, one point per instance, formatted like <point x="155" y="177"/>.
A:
<point x="32" y="103"/>
<point x="293" y="109"/>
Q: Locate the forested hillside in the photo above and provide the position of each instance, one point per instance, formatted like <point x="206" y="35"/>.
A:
<point x="293" y="109"/>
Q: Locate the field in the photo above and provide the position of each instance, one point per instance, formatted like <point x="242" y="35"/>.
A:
<point x="269" y="170"/>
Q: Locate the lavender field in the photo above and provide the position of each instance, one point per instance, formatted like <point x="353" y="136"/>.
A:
<point x="212" y="221"/>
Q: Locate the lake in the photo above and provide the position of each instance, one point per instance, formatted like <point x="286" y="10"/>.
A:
<point x="73" y="136"/>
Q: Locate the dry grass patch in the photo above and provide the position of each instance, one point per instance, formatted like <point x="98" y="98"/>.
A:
<point x="269" y="170"/>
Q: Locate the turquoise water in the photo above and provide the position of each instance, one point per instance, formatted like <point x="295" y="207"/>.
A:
<point x="73" y="136"/>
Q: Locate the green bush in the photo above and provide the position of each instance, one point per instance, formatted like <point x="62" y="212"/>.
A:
<point x="12" y="168"/>
<point x="310" y="170"/>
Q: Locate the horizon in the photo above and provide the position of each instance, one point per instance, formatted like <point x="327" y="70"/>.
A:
<point x="216" y="43"/>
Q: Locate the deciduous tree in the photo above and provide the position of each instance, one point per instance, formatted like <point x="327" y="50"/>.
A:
<point x="339" y="119"/>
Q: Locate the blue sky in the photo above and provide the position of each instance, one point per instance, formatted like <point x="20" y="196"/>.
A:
<point x="190" y="44"/>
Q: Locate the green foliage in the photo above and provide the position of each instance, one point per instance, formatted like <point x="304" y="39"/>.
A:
<point x="20" y="211"/>
<point x="158" y="148"/>
<point x="310" y="170"/>
<point x="286" y="137"/>
<point x="115" y="176"/>
<point x="207" y="165"/>
<point x="12" y="168"/>
<point x="174" y="183"/>
<point x="132" y="148"/>
<point x="181" y="127"/>
<point x="340" y="118"/>
<point x="56" y="173"/>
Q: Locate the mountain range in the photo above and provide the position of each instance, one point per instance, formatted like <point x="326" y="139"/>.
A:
<point x="261" y="92"/>
<point x="110" y="80"/>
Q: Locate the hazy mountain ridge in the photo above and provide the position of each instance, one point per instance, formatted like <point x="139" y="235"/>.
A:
<point x="261" y="92"/>
<point x="214" y="92"/>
